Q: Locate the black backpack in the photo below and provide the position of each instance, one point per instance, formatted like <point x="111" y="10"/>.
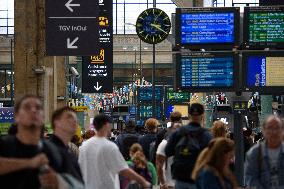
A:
<point x="187" y="151"/>
<point x="127" y="142"/>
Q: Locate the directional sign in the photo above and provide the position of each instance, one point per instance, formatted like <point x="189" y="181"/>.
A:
<point x="71" y="27"/>
<point x="97" y="75"/>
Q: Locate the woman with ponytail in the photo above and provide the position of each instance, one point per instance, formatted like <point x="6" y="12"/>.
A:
<point x="212" y="167"/>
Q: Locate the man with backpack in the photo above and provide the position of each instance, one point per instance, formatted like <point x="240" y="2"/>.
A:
<point x="264" y="167"/>
<point x="125" y="140"/>
<point x="185" y="145"/>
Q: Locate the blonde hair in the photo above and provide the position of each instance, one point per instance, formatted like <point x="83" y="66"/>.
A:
<point x="219" y="129"/>
<point x="212" y="157"/>
<point x="135" y="148"/>
<point x="139" y="160"/>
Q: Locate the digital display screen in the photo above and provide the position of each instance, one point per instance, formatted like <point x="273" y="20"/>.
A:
<point x="203" y="70"/>
<point x="145" y="93"/>
<point x="207" y="28"/>
<point x="177" y="96"/>
<point x="169" y="110"/>
<point x="145" y="111"/>
<point x="183" y="109"/>
<point x="266" y="27"/>
<point x="265" y="71"/>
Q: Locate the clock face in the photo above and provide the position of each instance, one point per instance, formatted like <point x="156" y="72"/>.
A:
<point x="153" y="26"/>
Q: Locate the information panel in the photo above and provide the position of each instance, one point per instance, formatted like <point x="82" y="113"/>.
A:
<point x="263" y="72"/>
<point x="207" y="71"/>
<point x="145" y="93"/>
<point x="97" y="70"/>
<point x="264" y="26"/>
<point x="145" y="111"/>
<point x="207" y="27"/>
<point x="173" y="96"/>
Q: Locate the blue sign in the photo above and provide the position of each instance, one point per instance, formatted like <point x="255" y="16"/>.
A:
<point x="256" y="71"/>
<point x="207" y="71"/>
<point x="6" y="115"/>
<point x="203" y="28"/>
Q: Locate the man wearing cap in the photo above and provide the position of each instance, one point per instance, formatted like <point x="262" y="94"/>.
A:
<point x="185" y="145"/>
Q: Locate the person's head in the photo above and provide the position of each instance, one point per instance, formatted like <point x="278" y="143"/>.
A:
<point x="89" y="134"/>
<point x="151" y="125"/>
<point x="196" y="112"/>
<point x="64" y="120"/>
<point x="102" y="124"/>
<point x="130" y="125"/>
<point x="273" y="131"/>
<point x="135" y="148"/>
<point x="29" y="113"/>
<point x="175" y="117"/>
<point x="218" y="154"/>
<point x="221" y="152"/>
<point x="139" y="160"/>
<point x="219" y="129"/>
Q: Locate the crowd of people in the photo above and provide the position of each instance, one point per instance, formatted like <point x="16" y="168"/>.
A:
<point x="180" y="156"/>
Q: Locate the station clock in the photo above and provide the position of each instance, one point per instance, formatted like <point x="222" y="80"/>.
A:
<point x="153" y="26"/>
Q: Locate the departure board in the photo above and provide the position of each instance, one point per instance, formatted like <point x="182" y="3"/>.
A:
<point x="145" y="93"/>
<point x="207" y="71"/>
<point x="145" y="111"/>
<point x="173" y="96"/>
<point x="264" y="26"/>
<point x="265" y="71"/>
<point x="207" y="28"/>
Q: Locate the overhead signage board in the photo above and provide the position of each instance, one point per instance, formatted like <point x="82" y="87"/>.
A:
<point x="71" y="27"/>
<point x="97" y="72"/>
<point x="270" y="2"/>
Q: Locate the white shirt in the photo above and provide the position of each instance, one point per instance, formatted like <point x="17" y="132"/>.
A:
<point x="101" y="161"/>
<point x="167" y="171"/>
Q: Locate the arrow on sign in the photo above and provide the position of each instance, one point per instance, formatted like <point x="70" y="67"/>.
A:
<point x="98" y="87"/>
<point x="69" y="6"/>
<point x="70" y="45"/>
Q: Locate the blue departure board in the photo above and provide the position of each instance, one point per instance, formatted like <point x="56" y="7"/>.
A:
<point x="204" y="28"/>
<point x="145" y="93"/>
<point x="206" y="70"/>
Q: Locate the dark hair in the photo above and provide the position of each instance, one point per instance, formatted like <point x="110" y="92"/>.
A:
<point x="20" y="101"/>
<point x="130" y="125"/>
<point x="196" y="109"/>
<point x="100" y="120"/>
<point x="175" y="116"/>
<point x="58" y="113"/>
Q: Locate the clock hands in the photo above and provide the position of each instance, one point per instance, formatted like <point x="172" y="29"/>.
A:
<point x="158" y="27"/>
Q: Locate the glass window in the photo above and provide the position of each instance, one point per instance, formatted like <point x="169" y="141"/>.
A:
<point x="128" y="11"/>
<point x="5" y="83"/>
<point x="6" y="17"/>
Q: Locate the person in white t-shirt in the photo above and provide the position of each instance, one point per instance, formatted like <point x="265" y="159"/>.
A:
<point x="101" y="161"/>
<point x="163" y="167"/>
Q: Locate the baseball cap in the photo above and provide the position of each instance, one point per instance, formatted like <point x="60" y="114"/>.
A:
<point x="196" y="109"/>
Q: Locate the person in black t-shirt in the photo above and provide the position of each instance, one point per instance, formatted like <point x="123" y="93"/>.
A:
<point x="65" y="125"/>
<point x="27" y="161"/>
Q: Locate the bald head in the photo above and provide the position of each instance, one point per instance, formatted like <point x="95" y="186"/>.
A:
<point x="273" y="120"/>
<point x="273" y="131"/>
